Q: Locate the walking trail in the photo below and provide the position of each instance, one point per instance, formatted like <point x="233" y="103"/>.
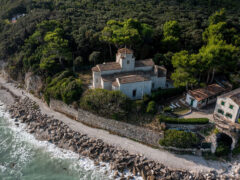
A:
<point x="173" y="161"/>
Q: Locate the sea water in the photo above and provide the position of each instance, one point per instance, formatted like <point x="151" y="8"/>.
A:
<point x="22" y="157"/>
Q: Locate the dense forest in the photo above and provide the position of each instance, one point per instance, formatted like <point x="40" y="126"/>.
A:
<point x="195" y="39"/>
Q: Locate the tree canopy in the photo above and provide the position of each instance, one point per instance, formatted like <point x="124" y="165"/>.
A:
<point x="128" y="32"/>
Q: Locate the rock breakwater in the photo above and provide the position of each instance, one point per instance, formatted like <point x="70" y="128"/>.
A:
<point x="55" y="131"/>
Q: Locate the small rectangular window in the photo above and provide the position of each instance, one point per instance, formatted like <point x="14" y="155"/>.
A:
<point x="128" y="62"/>
<point x="96" y="80"/>
<point x="231" y="106"/>
<point x="229" y="115"/>
<point x="220" y="111"/>
<point x="134" y="93"/>
<point x="153" y="85"/>
<point x="222" y="103"/>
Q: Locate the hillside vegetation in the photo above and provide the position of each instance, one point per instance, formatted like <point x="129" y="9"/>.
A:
<point x="195" y="40"/>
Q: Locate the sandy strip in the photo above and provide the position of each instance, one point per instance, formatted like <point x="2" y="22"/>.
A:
<point x="173" y="161"/>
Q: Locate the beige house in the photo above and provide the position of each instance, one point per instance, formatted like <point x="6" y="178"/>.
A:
<point x="132" y="77"/>
<point x="201" y="97"/>
<point x="227" y="106"/>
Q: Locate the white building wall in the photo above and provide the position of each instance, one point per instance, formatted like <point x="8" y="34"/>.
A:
<point x="107" y="85"/>
<point x="189" y="100"/>
<point x="127" y="63"/>
<point x="97" y="80"/>
<point x="159" y="82"/>
<point x="140" y="87"/>
<point x="110" y="72"/>
<point x="115" y="88"/>
<point x="144" y="68"/>
<point x="226" y="109"/>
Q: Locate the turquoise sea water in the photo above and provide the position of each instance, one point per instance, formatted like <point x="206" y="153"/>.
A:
<point x="22" y="157"/>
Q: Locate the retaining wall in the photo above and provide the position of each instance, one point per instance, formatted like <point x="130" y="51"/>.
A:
<point x="61" y="107"/>
<point x="140" y="134"/>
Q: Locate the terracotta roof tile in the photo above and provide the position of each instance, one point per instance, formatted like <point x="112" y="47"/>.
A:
<point x="132" y="79"/>
<point x="125" y="50"/>
<point x="204" y="93"/>
<point x="109" y="66"/>
<point x="146" y="62"/>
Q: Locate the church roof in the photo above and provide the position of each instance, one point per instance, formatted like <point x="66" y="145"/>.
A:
<point x="142" y="63"/>
<point x="125" y="50"/>
<point x="132" y="79"/>
<point x="204" y="93"/>
<point x="109" y="66"/>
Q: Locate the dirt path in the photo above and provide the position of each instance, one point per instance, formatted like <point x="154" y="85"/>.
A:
<point x="186" y="162"/>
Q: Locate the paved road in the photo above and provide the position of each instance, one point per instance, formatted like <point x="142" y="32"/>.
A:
<point x="185" y="162"/>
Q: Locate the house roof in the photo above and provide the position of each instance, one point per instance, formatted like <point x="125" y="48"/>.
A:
<point x="146" y="62"/>
<point x="132" y="79"/>
<point x="204" y="93"/>
<point x="125" y="50"/>
<point x="236" y="98"/>
<point x="107" y="67"/>
<point x="234" y="95"/>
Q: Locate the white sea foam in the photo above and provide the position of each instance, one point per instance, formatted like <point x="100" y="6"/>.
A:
<point x="79" y="162"/>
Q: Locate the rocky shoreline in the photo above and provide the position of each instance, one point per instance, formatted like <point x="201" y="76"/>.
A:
<point x="55" y="131"/>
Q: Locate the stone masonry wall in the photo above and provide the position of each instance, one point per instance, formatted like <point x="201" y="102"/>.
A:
<point x="63" y="108"/>
<point x="140" y="134"/>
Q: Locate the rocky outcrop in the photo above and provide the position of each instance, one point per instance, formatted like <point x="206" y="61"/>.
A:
<point x="3" y="72"/>
<point x="33" y="83"/>
<point x="58" y="133"/>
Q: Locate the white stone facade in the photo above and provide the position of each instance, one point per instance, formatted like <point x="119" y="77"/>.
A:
<point x="201" y="97"/>
<point x="191" y="101"/>
<point x="133" y="78"/>
<point x="227" y="106"/>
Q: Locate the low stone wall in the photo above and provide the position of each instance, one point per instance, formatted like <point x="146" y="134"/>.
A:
<point x="120" y="128"/>
<point x="140" y="134"/>
<point x="61" y="107"/>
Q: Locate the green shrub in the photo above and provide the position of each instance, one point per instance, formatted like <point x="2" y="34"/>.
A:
<point x="64" y="87"/>
<point x="167" y="109"/>
<point x="167" y="119"/>
<point x="236" y="150"/>
<point x="139" y="106"/>
<point x="163" y="94"/>
<point x="179" y="139"/>
<point x="216" y="131"/>
<point x="222" y="150"/>
<point x="151" y="108"/>
<point x="111" y="104"/>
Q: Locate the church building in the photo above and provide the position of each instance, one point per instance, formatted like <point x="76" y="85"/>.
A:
<point x="134" y="78"/>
